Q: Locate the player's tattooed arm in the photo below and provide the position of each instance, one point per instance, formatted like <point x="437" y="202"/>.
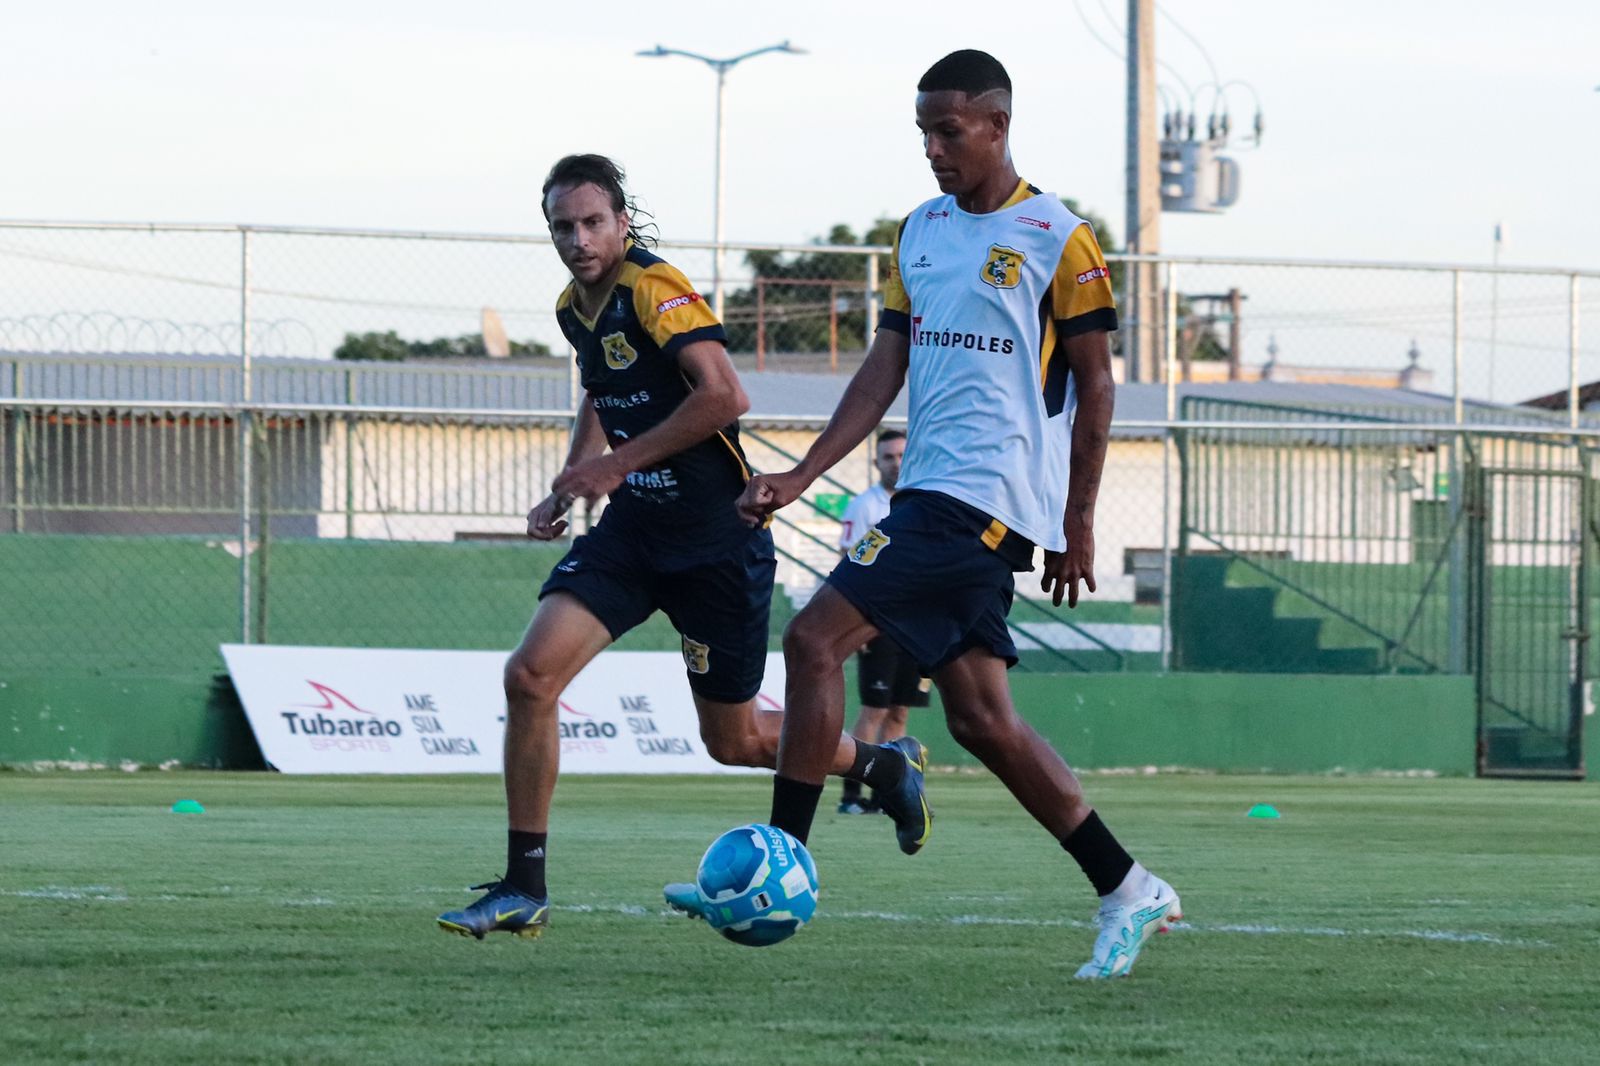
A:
<point x="715" y="399"/>
<point x="588" y="441"/>
<point x="860" y="409"/>
<point x="1089" y="359"/>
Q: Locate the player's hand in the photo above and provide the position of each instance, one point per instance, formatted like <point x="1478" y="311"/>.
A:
<point x="765" y="493"/>
<point x="545" y="521"/>
<point x="590" y="479"/>
<point x="1063" y="570"/>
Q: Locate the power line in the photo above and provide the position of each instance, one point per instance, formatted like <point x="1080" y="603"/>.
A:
<point x="1215" y="77"/>
<point x="1121" y="55"/>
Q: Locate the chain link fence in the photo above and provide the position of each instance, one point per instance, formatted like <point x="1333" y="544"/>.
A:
<point x="215" y="434"/>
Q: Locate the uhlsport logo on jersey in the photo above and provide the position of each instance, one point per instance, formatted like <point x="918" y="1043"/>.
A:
<point x="696" y="656"/>
<point x="867" y="548"/>
<point x="1004" y="268"/>
<point x="619" y="353"/>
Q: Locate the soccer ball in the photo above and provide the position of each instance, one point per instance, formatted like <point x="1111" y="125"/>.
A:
<point x="758" y="884"/>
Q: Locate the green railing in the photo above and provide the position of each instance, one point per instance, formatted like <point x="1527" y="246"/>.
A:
<point x="1316" y="540"/>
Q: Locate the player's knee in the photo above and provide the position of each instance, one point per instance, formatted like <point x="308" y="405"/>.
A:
<point x="731" y="751"/>
<point x="979" y="729"/>
<point x="530" y="686"/>
<point x="807" y="647"/>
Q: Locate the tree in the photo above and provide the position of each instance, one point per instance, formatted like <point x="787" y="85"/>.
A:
<point x="1196" y="332"/>
<point x="797" y="314"/>
<point x="390" y="347"/>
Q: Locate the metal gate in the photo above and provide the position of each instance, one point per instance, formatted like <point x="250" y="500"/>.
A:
<point x="1530" y="617"/>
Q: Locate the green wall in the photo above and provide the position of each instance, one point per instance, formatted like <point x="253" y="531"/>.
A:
<point x="148" y="720"/>
<point x="1205" y="721"/>
<point x="108" y="653"/>
<point x="1241" y="722"/>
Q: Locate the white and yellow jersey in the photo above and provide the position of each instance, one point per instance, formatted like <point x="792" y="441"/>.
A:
<point x="986" y="301"/>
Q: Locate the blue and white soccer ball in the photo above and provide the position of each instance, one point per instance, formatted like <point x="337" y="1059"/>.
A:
<point x="758" y="884"/>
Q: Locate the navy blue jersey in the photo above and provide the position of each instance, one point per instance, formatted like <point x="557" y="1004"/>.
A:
<point x="628" y="359"/>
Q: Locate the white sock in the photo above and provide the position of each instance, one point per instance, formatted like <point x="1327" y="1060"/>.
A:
<point x="1134" y="885"/>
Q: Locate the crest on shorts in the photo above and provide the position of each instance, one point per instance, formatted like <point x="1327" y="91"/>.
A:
<point x="865" y="551"/>
<point x="619" y="353"/>
<point x="696" y="656"/>
<point x="1004" y="268"/>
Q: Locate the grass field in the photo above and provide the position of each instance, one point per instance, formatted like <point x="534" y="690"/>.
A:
<point x="1380" y="921"/>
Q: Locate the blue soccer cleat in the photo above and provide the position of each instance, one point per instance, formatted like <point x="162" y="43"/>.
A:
<point x="503" y="910"/>
<point x="1126" y="927"/>
<point x="907" y="802"/>
<point x="684" y="898"/>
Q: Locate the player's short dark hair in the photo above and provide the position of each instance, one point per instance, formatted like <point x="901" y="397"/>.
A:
<point x="967" y="71"/>
<point x="607" y="175"/>
<point x="888" y="435"/>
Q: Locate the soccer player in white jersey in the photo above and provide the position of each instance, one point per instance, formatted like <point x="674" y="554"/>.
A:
<point x="998" y="308"/>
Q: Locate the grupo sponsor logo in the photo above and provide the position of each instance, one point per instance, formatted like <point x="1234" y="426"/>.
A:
<point x="677" y="301"/>
<point x="1037" y="223"/>
<point x="938" y="337"/>
<point x="938" y="214"/>
<point x="333" y="722"/>
<point x="1092" y="273"/>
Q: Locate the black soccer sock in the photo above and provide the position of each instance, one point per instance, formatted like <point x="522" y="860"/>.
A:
<point x="794" y="805"/>
<point x="525" y="862"/>
<point x="852" y="790"/>
<point x="1102" y="859"/>
<point x="877" y="765"/>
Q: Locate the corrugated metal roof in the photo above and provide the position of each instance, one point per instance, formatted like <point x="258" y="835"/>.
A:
<point x="775" y="396"/>
<point x="470" y="384"/>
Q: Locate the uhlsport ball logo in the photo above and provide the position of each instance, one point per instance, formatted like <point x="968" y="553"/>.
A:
<point x="758" y="884"/>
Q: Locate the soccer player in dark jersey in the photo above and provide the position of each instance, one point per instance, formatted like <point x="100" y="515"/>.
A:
<point x="997" y="307"/>
<point x="658" y="433"/>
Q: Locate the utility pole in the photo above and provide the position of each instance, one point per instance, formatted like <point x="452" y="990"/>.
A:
<point x="1235" y="332"/>
<point x="1144" y="194"/>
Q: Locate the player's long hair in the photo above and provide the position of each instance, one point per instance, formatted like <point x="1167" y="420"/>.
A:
<point x="606" y="175"/>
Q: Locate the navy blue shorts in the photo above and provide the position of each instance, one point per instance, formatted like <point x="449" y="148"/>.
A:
<point x="935" y="576"/>
<point x="718" y="605"/>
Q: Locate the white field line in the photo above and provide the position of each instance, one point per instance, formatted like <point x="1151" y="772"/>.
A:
<point x="108" y="894"/>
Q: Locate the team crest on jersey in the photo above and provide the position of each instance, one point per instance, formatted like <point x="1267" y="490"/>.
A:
<point x="867" y="548"/>
<point x="619" y="353"/>
<point x="696" y="656"/>
<point x="1004" y="268"/>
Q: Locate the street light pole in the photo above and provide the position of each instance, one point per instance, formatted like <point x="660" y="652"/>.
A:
<point x="721" y="66"/>
<point x="718" y="263"/>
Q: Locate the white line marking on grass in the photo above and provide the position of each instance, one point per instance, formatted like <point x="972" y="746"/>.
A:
<point x="1451" y="936"/>
<point x="87" y="893"/>
<point x="108" y="894"/>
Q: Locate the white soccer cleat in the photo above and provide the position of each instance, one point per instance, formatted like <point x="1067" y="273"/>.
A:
<point x="1125" y="926"/>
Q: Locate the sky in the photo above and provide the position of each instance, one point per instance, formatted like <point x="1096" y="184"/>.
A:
<point x="1393" y="131"/>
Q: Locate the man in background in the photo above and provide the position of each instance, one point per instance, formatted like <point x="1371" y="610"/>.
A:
<point x="888" y="681"/>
